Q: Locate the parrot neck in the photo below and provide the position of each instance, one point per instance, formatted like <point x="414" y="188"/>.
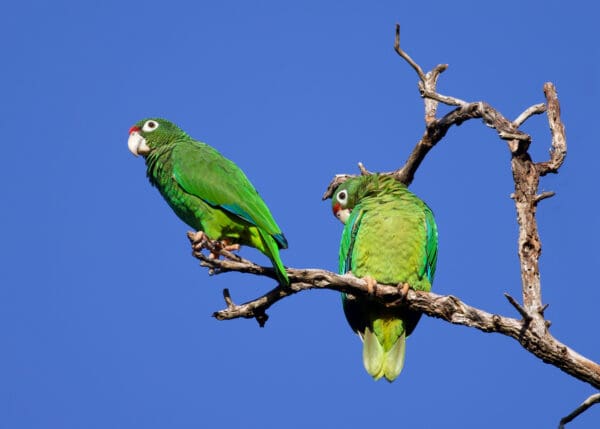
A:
<point x="158" y="164"/>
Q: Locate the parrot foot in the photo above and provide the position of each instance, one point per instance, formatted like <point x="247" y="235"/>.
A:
<point x="198" y="239"/>
<point x="371" y="283"/>
<point x="230" y="247"/>
<point x="201" y="241"/>
<point x="223" y="245"/>
<point x="403" y="290"/>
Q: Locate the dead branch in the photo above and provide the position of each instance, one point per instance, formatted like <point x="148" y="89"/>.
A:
<point x="594" y="399"/>
<point x="531" y="331"/>
<point x="448" y="308"/>
<point x="536" y="109"/>
<point x="558" y="151"/>
<point x="436" y="129"/>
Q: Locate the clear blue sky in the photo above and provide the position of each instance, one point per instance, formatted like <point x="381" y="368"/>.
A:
<point x="105" y="316"/>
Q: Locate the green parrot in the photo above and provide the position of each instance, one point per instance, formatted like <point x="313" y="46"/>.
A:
<point x="206" y="190"/>
<point x="390" y="237"/>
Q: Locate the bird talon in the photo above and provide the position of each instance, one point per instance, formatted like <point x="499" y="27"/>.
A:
<point x="403" y="290"/>
<point x="371" y="284"/>
<point x="198" y="239"/>
<point x="230" y="247"/>
<point x="217" y="247"/>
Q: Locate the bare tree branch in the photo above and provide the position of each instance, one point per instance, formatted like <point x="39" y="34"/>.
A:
<point x="543" y="196"/>
<point x="526" y="316"/>
<point x="448" y="308"/>
<point x="406" y="57"/>
<point x="526" y="176"/>
<point x="363" y="170"/>
<point x="531" y="331"/>
<point x="594" y="399"/>
<point x="558" y="151"/>
<point x="536" y="109"/>
<point x="517" y="140"/>
<point x="436" y="129"/>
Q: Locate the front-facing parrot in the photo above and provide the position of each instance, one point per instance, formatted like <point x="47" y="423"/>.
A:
<point x="206" y="190"/>
<point x="389" y="237"/>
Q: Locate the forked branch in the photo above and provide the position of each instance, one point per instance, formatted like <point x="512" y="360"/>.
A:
<point x="531" y="331"/>
<point x="448" y="308"/>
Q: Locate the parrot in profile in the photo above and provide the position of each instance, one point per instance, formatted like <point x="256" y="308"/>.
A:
<point x="390" y="237"/>
<point x="206" y="190"/>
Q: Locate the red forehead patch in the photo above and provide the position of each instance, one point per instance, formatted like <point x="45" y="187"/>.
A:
<point x="336" y="208"/>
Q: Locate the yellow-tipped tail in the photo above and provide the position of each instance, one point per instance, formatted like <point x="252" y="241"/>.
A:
<point x="380" y="363"/>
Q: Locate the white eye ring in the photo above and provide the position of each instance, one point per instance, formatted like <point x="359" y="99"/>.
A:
<point x="150" y="126"/>
<point x="342" y="197"/>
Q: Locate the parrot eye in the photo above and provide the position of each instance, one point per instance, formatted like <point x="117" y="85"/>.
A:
<point x="342" y="197"/>
<point x="150" y="126"/>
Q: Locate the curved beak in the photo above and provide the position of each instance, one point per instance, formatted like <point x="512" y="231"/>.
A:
<point x="136" y="143"/>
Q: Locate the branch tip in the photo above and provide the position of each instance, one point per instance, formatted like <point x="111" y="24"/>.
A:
<point x="417" y="68"/>
<point x="543" y="196"/>
<point x="261" y="318"/>
<point x="440" y="68"/>
<point x="593" y="399"/>
<point x="524" y="314"/>
<point x="363" y="170"/>
<point x="558" y="149"/>
<point x="536" y="109"/>
<point x="228" y="301"/>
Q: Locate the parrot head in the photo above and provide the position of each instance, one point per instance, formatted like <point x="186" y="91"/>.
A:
<point x="352" y="191"/>
<point x="344" y="199"/>
<point x="149" y="134"/>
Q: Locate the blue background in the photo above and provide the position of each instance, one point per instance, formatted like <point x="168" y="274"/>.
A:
<point x="104" y="315"/>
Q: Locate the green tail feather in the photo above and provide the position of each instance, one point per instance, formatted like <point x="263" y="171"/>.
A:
<point x="380" y="363"/>
<point x="272" y="251"/>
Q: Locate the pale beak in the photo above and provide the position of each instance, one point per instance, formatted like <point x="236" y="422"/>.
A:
<point x="137" y="144"/>
<point x="343" y="215"/>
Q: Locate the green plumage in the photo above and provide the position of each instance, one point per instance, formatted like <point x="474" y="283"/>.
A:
<point x="206" y="190"/>
<point x="390" y="235"/>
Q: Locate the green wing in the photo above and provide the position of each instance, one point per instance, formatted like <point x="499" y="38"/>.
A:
<point x="348" y="240"/>
<point x="431" y="245"/>
<point x="203" y="172"/>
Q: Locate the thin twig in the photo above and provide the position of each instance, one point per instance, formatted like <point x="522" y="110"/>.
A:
<point x="526" y="316"/>
<point x="445" y="99"/>
<point x="543" y="196"/>
<point x="363" y="170"/>
<point x="407" y="57"/>
<point x="227" y="297"/>
<point x="536" y="109"/>
<point x="594" y="399"/>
